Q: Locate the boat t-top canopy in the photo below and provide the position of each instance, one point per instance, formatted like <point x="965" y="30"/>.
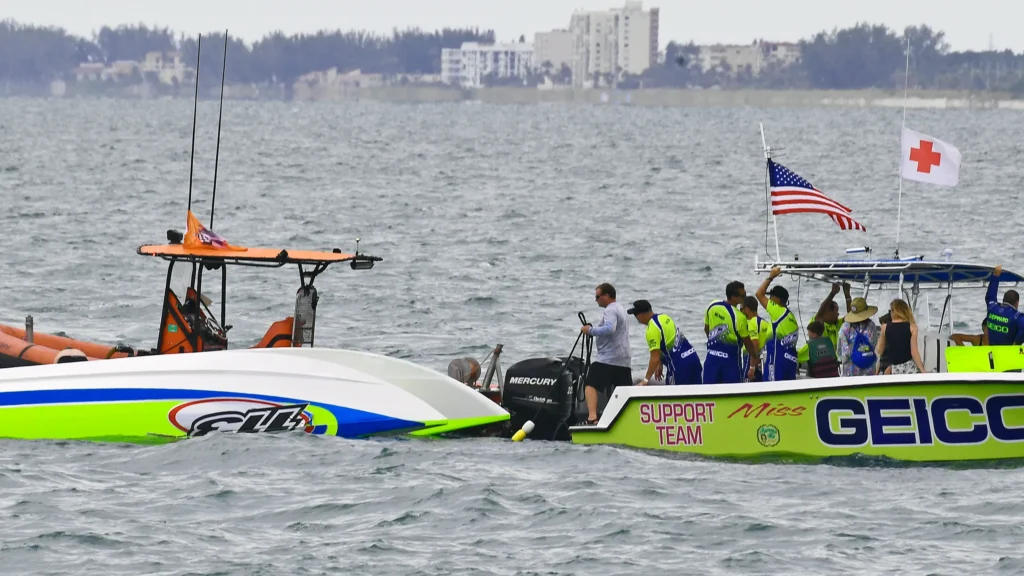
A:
<point x="253" y="256"/>
<point x="202" y="245"/>
<point x="907" y="277"/>
<point x="895" y="274"/>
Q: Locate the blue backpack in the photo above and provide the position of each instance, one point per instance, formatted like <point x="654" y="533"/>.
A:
<point x="862" y="355"/>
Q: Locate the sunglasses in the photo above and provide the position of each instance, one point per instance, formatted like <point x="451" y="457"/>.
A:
<point x="598" y="297"/>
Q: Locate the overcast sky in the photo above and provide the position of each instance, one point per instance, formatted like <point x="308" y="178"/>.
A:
<point x="968" y="25"/>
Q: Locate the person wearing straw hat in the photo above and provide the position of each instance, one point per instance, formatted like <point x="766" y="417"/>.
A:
<point x="857" y="340"/>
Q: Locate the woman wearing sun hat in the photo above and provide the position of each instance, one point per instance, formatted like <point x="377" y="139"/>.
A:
<point x="857" y="340"/>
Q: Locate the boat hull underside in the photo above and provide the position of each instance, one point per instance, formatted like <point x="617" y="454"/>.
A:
<point x="921" y="418"/>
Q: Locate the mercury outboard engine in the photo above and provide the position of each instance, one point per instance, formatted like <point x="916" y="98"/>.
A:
<point x="547" y="391"/>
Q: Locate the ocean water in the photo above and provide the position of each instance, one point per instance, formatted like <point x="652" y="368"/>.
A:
<point x="495" y="224"/>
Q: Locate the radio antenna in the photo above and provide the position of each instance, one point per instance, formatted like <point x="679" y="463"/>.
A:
<point x="195" y="107"/>
<point x="216" y="159"/>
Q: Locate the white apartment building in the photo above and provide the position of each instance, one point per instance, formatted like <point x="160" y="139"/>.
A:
<point x="469" y="65"/>
<point x="613" y="42"/>
<point x="756" y="55"/>
<point x="555" y="47"/>
<point x="168" y="66"/>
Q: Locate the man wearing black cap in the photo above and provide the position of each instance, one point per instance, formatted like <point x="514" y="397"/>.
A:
<point x="780" y="350"/>
<point x="670" y="351"/>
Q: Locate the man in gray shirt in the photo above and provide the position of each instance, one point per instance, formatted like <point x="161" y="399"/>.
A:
<point x="612" y="366"/>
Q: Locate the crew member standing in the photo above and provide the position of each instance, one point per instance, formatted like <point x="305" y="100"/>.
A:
<point x="1005" y="324"/>
<point x="760" y="333"/>
<point x="780" y="352"/>
<point x="727" y="332"/>
<point x="672" y="356"/>
<point x="611" y="368"/>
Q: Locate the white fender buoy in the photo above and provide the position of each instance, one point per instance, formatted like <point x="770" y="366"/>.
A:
<point x="523" y="432"/>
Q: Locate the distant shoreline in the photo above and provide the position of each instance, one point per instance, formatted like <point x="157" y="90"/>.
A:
<point x="659" y="97"/>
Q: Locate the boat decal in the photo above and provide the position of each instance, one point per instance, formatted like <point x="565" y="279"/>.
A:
<point x="914" y="421"/>
<point x="678" y="423"/>
<point x="768" y="436"/>
<point x="896" y="418"/>
<point x="767" y="409"/>
<point x="200" y="417"/>
<point x="322" y="418"/>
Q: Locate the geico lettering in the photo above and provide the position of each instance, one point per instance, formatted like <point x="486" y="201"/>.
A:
<point x="532" y="381"/>
<point x="994" y="407"/>
<point x="997" y="328"/>
<point x="718" y="353"/>
<point x="977" y="434"/>
<point x="853" y="429"/>
<point x="880" y="418"/>
<point x="915" y="421"/>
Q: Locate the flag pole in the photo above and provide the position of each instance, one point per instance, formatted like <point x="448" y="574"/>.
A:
<point x="767" y="192"/>
<point x="899" y="201"/>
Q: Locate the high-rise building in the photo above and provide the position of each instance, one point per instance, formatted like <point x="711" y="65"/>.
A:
<point x="554" y="47"/>
<point x="471" y="64"/>
<point x="608" y="44"/>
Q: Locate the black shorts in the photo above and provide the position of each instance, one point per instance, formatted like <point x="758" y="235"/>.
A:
<point x="605" y="377"/>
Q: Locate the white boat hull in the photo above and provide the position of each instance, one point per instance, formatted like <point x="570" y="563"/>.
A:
<point x="154" y="398"/>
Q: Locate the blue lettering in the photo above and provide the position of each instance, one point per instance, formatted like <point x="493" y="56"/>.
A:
<point x="994" y="406"/>
<point x="924" y="423"/>
<point x="977" y="434"/>
<point x="856" y="425"/>
<point x="879" y="422"/>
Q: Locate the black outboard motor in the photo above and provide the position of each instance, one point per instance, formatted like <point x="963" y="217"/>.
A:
<point x="547" y="391"/>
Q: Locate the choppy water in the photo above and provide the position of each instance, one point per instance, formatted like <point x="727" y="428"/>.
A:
<point x="496" y="223"/>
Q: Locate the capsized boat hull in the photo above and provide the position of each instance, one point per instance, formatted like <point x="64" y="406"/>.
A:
<point x="922" y="418"/>
<point x="152" y="399"/>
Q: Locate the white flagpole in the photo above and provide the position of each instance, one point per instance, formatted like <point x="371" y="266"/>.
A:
<point x="767" y="192"/>
<point x="899" y="202"/>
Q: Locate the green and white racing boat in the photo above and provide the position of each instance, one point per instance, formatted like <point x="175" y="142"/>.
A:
<point x="969" y="406"/>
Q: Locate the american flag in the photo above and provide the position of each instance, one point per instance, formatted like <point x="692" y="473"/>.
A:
<point x="791" y="194"/>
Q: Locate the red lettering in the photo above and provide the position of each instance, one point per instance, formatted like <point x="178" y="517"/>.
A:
<point x="693" y="436"/>
<point x="746" y="407"/>
<point x="767" y="409"/>
<point x="680" y="435"/>
<point x="675" y="412"/>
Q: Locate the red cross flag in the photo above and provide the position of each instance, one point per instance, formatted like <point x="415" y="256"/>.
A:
<point x="927" y="159"/>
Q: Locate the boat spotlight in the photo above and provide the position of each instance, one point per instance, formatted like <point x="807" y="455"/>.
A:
<point x="174" y="237"/>
<point x="361" y="263"/>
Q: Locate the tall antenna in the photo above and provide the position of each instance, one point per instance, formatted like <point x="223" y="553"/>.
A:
<point x="195" y="107"/>
<point x="216" y="159"/>
<point x="899" y="202"/>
